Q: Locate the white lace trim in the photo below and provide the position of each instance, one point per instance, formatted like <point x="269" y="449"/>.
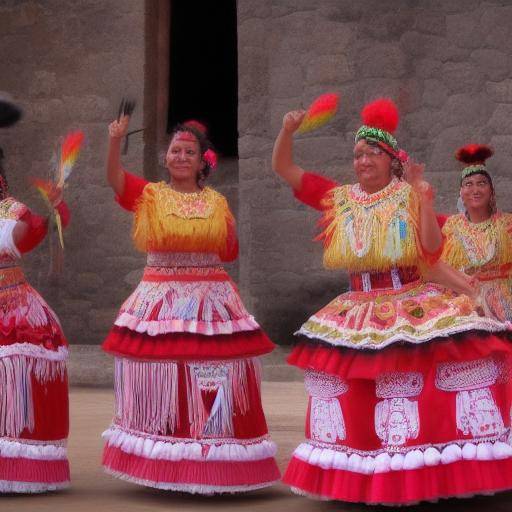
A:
<point x="7" y="486"/>
<point x="466" y="375"/>
<point x="35" y="351"/>
<point x="399" y="384"/>
<point x="328" y="458"/>
<point x="190" y="488"/>
<point x="192" y="449"/>
<point x="156" y="327"/>
<point x="481" y="324"/>
<point x="43" y="450"/>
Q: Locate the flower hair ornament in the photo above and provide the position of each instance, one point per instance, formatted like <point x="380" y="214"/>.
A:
<point x="209" y="156"/>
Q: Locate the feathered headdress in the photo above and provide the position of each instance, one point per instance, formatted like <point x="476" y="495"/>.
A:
<point x="380" y="120"/>
<point x="474" y="156"/>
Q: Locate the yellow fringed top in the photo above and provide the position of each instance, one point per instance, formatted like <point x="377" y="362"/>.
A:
<point x="167" y="220"/>
<point x="371" y="232"/>
<point x="473" y="246"/>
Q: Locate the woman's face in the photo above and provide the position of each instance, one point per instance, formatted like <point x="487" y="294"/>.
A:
<point x="183" y="157"/>
<point x="476" y="192"/>
<point x="372" y="165"/>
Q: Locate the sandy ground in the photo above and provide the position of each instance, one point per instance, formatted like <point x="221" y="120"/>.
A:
<point x="92" y="490"/>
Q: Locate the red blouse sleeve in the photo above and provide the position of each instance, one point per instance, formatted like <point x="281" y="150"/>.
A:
<point x="441" y="219"/>
<point x="37" y="227"/>
<point x="313" y="188"/>
<point x="133" y="187"/>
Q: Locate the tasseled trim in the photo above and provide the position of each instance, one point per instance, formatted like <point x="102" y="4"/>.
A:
<point x="229" y="380"/>
<point x="377" y="231"/>
<point x="163" y="223"/>
<point x="147" y="395"/>
<point x="16" y="401"/>
<point x="176" y="449"/>
<point x="482" y="245"/>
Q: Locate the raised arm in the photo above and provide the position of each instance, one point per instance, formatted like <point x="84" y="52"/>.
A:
<point x="115" y="172"/>
<point x="282" y="156"/>
<point x="430" y="233"/>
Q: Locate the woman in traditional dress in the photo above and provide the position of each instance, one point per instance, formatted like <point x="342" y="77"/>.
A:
<point x="187" y="374"/>
<point x="33" y="352"/>
<point x="479" y="240"/>
<point x="409" y="397"/>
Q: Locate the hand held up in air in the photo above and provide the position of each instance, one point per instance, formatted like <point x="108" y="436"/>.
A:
<point x="292" y="120"/>
<point x="413" y="174"/>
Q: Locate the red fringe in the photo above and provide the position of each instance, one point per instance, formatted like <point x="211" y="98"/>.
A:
<point x="458" y="479"/>
<point x="368" y="364"/>
<point x="211" y="473"/>
<point x="121" y="341"/>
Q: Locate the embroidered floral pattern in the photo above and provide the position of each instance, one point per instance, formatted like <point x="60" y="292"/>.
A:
<point x="476" y="410"/>
<point x="399" y="384"/>
<point x="195" y="205"/>
<point x="396" y="417"/>
<point x="415" y="313"/>
<point x="326" y="416"/>
<point x="203" y="306"/>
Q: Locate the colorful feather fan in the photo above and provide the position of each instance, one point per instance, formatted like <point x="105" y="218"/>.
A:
<point x="320" y="112"/>
<point x="69" y="151"/>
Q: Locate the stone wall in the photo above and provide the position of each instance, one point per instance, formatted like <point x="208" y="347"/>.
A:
<point x="447" y="64"/>
<point x="68" y="64"/>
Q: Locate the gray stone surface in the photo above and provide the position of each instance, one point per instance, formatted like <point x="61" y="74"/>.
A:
<point x="447" y="63"/>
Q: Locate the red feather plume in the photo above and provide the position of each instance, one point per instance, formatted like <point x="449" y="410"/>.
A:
<point x="474" y="153"/>
<point x="381" y="113"/>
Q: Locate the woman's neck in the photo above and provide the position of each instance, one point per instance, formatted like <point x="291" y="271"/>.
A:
<point x="372" y="188"/>
<point x="186" y="187"/>
<point x="477" y="215"/>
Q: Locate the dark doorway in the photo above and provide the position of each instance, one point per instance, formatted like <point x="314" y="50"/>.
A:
<point x="203" y="78"/>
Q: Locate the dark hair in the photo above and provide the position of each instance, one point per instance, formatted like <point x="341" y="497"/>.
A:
<point x="200" y="133"/>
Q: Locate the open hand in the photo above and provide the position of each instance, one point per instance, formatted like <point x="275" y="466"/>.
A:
<point x="413" y="174"/>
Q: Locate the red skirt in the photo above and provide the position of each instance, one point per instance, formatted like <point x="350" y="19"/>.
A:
<point x="406" y="423"/>
<point x="33" y="391"/>
<point x="193" y="426"/>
